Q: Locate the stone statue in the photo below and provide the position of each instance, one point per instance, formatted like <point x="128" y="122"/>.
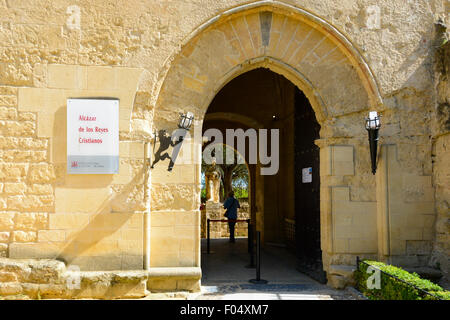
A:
<point x="212" y="182"/>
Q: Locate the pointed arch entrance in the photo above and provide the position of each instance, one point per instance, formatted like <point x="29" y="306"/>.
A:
<point x="307" y="51"/>
<point x="284" y="208"/>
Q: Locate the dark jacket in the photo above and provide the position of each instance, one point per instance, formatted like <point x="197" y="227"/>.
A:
<point x="231" y="204"/>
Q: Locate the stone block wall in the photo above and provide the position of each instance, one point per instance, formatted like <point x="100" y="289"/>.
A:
<point x="406" y="212"/>
<point x="221" y="229"/>
<point x="441" y="155"/>
<point x="173" y="238"/>
<point x="348" y="208"/>
<point x="174" y="56"/>
<point x="441" y="249"/>
<point x="26" y="175"/>
<point x="94" y="221"/>
<point x="175" y="210"/>
<point x="394" y="218"/>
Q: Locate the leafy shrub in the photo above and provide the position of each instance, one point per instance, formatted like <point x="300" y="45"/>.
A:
<point x="393" y="289"/>
<point x="240" y="193"/>
<point x="445" y="295"/>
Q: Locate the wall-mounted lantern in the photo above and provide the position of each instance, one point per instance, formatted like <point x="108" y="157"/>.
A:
<point x="175" y="140"/>
<point x="373" y="125"/>
<point x="183" y="127"/>
<point x="186" y="120"/>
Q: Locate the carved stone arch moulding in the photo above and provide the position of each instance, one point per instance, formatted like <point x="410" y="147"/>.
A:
<point x="290" y="41"/>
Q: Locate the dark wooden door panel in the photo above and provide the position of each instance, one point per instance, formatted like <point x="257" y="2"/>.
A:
<point x="307" y="195"/>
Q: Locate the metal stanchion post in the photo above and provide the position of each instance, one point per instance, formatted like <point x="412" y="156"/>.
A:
<point x="250" y="246"/>
<point x="258" y="279"/>
<point x="258" y="256"/>
<point x="248" y="236"/>
<point x="208" y="229"/>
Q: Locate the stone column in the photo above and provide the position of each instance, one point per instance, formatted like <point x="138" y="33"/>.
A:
<point x="214" y="211"/>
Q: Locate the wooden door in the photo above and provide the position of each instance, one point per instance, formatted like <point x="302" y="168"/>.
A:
<point x="307" y="189"/>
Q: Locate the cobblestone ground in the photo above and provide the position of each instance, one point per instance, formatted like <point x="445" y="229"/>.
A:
<point x="272" y="292"/>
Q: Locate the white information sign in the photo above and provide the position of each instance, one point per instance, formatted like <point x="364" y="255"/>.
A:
<point x="92" y="136"/>
<point x="307" y="175"/>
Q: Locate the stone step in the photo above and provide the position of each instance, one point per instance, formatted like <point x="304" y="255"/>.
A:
<point x="31" y="270"/>
<point x="51" y="279"/>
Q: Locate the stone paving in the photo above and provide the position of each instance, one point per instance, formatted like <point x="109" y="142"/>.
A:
<point x="225" y="276"/>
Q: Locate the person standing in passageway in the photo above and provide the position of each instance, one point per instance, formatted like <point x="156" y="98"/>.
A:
<point x="231" y="204"/>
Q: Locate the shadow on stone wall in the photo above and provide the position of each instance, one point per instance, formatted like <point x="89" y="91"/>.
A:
<point x="103" y="244"/>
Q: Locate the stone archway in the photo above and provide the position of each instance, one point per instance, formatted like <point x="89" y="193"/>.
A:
<point x="290" y="41"/>
<point x="293" y="42"/>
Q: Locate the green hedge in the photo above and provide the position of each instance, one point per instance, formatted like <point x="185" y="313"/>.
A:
<point x="393" y="289"/>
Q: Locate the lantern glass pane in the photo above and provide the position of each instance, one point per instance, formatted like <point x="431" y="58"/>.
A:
<point x="373" y="121"/>
<point x="190" y="117"/>
<point x="186" y="120"/>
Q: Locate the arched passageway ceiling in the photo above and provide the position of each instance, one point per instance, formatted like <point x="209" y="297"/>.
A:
<point x="288" y="40"/>
<point x="227" y="120"/>
<point x="234" y="117"/>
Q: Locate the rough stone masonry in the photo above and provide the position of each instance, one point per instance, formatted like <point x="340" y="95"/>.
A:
<point x="160" y="58"/>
